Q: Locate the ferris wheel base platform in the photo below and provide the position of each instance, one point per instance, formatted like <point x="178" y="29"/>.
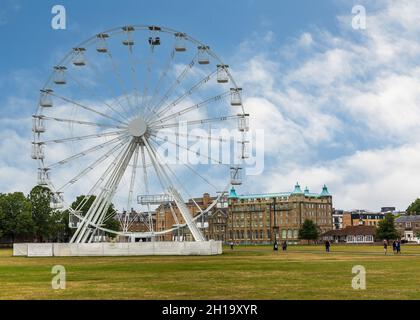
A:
<point x="105" y="249"/>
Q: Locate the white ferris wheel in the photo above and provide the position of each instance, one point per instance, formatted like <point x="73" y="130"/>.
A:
<point x="97" y="128"/>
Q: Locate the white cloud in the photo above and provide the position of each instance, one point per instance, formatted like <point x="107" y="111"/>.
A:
<point x="353" y="102"/>
<point x="305" y="40"/>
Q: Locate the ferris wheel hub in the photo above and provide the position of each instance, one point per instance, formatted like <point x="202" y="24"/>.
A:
<point x="137" y="127"/>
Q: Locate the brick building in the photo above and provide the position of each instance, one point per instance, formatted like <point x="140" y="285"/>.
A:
<point x="264" y="218"/>
<point x="361" y="218"/>
<point x="213" y="225"/>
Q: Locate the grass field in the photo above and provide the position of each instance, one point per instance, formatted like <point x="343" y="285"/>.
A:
<point x="304" y="272"/>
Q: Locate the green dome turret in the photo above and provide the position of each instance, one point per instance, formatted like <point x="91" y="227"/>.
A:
<point x="232" y="193"/>
<point x="297" y="190"/>
<point x="325" y="192"/>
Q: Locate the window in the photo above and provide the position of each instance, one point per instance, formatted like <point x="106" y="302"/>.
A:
<point x="284" y="234"/>
<point x="359" y="238"/>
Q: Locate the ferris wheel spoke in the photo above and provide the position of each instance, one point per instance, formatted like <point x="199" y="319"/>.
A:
<point x="177" y="134"/>
<point x="88" y="108"/>
<point x="87" y="137"/>
<point x="86" y="152"/>
<point x="93" y="94"/>
<point x="192" y="108"/>
<point x="134" y="80"/>
<point x="93" y="165"/>
<point x="186" y="94"/>
<point x="122" y="83"/>
<point x="86" y="123"/>
<point x="149" y="66"/>
<point x="162" y="76"/>
<point x="188" y="149"/>
<point x="176" y="83"/>
<point x="111" y="89"/>
<point x="196" y="122"/>
<point x="198" y="174"/>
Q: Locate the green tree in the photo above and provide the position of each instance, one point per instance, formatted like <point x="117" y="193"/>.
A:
<point x="40" y="199"/>
<point x="309" y="231"/>
<point x="15" y="216"/>
<point x="112" y="224"/>
<point x="414" y="208"/>
<point x="386" y="229"/>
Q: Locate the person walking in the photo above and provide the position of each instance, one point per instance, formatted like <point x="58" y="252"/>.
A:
<point x="327" y="246"/>
<point x="276" y="246"/>
<point x="231" y="245"/>
<point x="284" y="246"/>
<point x="398" y="247"/>
<point x="394" y="247"/>
<point x="385" y="246"/>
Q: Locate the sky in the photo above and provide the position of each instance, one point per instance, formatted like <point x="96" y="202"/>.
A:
<point x="339" y="106"/>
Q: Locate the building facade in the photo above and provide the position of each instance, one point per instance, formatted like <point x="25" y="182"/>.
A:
<point x="361" y="218"/>
<point x="265" y="218"/>
<point x="351" y="234"/>
<point x="409" y="228"/>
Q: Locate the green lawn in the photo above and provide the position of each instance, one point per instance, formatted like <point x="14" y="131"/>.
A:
<point x="254" y="272"/>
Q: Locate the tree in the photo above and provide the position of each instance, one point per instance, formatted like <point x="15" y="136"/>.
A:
<point x="386" y="228"/>
<point x="40" y="199"/>
<point x="309" y="231"/>
<point x="15" y="216"/>
<point x="414" y="208"/>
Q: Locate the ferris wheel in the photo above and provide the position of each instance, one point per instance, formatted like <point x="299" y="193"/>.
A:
<point x="108" y="108"/>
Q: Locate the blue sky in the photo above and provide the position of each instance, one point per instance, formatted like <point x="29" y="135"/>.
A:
<point x="339" y="106"/>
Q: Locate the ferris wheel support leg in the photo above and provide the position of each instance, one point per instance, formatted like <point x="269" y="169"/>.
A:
<point x="131" y="190"/>
<point x="196" y="233"/>
<point x="146" y="184"/>
<point x="103" y="200"/>
<point x="111" y="189"/>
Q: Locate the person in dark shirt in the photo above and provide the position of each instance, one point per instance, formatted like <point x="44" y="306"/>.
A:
<point x="398" y="247"/>
<point x="394" y="246"/>
<point x="327" y="246"/>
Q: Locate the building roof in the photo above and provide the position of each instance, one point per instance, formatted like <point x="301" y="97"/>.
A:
<point x="297" y="191"/>
<point x="352" y="231"/>
<point x="408" y="219"/>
